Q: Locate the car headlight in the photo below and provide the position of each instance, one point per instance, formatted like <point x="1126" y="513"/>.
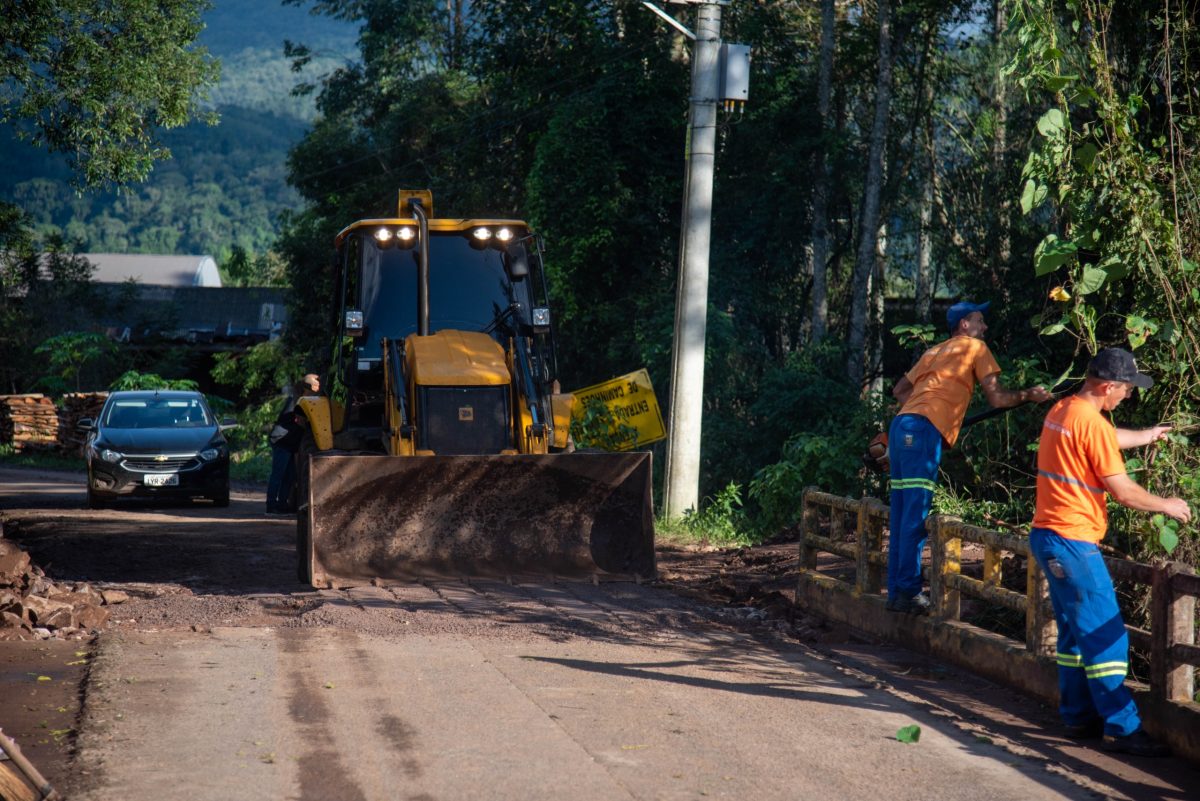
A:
<point x="208" y="454"/>
<point x="110" y="456"/>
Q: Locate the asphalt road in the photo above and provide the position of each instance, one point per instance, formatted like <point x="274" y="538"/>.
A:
<point x="222" y="679"/>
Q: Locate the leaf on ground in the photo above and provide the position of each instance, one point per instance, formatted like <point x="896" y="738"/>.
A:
<point x="633" y="747"/>
<point x="909" y="734"/>
<point x="329" y="685"/>
<point x="45" y="678"/>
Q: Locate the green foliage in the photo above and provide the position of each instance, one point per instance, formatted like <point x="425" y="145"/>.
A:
<point x="916" y="335"/>
<point x="824" y="427"/>
<point x="11" y="457"/>
<point x="97" y="84"/>
<point x="132" y="379"/>
<point x="721" y="519"/>
<point x="909" y="734"/>
<point x="223" y="189"/>
<point x="67" y="354"/>
<point x="1116" y="150"/>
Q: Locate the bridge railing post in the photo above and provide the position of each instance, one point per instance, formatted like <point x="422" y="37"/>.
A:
<point x="809" y="523"/>
<point x="945" y="560"/>
<point x="868" y="577"/>
<point x="1041" y="630"/>
<point x="1172" y="622"/>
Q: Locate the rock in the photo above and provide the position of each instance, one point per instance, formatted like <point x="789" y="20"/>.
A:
<point x="40" y="608"/>
<point x="10" y="635"/>
<point x="114" y="597"/>
<point x="59" y="619"/>
<point x="9" y="620"/>
<point x="91" y="617"/>
<point x="42" y="634"/>
<point x="9" y="600"/>
<point x="14" y="563"/>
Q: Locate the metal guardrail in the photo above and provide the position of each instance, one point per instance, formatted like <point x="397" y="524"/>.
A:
<point x="1174" y="586"/>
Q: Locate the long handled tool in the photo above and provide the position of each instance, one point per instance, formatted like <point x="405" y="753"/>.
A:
<point x="13" y="792"/>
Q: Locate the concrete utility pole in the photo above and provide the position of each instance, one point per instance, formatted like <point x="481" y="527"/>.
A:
<point x="682" y="485"/>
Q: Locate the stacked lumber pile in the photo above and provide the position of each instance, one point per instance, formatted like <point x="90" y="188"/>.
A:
<point x="32" y="607"/>
<point x="73" y="407"/>
<point x="28" y="422"/>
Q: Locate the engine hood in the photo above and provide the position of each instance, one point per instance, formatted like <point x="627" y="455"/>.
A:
<point x="158" y="440"/>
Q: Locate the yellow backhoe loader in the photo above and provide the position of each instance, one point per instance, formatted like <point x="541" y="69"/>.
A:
<point x="442" y="448"/>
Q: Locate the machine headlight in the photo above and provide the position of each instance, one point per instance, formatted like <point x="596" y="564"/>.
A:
<point x="110" y="456"/>
<point x="407" y="234"/>
<point x="504" y="234"/>
<point x="383" y="235"/>
<point x="482" y="234"/>
<point x="208" y="454"/>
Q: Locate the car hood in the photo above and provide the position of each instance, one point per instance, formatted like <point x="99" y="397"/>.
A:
<point x="157" y="440"/>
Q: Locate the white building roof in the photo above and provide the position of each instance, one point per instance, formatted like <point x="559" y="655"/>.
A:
<point x="116" y="268"/>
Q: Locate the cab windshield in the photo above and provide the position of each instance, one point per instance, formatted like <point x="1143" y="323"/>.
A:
<point x="468" y="289"/>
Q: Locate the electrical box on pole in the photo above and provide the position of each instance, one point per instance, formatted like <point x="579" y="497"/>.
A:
<point x="735" y="73"/>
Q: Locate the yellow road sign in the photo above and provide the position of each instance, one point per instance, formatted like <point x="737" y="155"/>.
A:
<point x="630" y="398"/>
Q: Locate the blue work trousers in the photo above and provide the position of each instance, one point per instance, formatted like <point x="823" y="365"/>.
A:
<point x="1093" y="647"/>
<point x="283" y="477"/>
<point x="915" y="451"/>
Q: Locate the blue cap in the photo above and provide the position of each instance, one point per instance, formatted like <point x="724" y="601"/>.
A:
<point x="960" y="310"/>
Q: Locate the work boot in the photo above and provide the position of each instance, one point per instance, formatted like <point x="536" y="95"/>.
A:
<point x="1091" y="730"/>
<point x="919" y="604"/>
<point x="1137" y="744"/>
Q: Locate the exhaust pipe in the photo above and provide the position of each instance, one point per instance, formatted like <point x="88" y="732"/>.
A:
<point x="422" y="266"/>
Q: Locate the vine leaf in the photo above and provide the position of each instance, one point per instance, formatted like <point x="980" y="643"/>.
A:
<point x="1168" y="539"/>
<point x="1091" y="280"/>
<point x="1051" y="254"/>
<point x="1052" y="124"/>
<point x="1032" y="195"/>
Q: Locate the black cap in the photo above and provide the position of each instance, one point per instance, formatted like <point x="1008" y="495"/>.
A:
<point x="1118" y="364"/>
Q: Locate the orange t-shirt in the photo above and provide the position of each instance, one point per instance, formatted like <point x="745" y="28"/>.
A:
<point x="944" y="379"/>
<point x="1078" y="449"/>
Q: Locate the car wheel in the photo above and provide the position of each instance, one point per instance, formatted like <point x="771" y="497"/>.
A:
<point x="221" y="500"/>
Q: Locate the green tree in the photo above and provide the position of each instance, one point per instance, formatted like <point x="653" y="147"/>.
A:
<point x="97" y="82"/>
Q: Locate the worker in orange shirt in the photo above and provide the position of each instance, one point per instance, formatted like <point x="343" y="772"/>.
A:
<point x="934" y="396"/>
<point x="1079" y="459"/>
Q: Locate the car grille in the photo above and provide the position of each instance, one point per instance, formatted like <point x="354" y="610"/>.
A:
<point x="154" y="464"/>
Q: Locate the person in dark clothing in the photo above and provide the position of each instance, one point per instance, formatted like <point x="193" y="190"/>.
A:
<point x="285" y="441"/>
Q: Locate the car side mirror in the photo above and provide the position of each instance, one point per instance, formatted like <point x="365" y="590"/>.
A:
<point x="86" y="424"/>
<point x="228" y="423"/>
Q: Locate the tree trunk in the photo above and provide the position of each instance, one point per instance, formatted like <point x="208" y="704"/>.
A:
<point x="869" y="221"/>
<point x="923" y="289"/>
<point x="876" y="290"/>
<point x="819" y="252"/>
<point x="1001" y="252"/>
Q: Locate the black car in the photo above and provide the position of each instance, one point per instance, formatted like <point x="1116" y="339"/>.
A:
<point x="156" y="443"/>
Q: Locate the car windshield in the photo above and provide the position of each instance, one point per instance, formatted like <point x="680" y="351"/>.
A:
<point x="157" y="413"/>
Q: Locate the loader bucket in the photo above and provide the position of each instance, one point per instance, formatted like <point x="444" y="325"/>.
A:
<point x="402" y="517"/>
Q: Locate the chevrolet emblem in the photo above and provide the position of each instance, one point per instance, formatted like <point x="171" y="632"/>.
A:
<point x="160" y="458"/>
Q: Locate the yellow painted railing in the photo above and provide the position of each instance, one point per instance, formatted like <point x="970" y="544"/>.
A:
<point x="854" y="530"/>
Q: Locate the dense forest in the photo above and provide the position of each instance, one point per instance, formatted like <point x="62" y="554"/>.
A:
<point x="225" y="184"/>
<point x="893" y="155"/>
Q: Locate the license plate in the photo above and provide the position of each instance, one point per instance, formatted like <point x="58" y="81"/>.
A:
<point x="162" y="480"/>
